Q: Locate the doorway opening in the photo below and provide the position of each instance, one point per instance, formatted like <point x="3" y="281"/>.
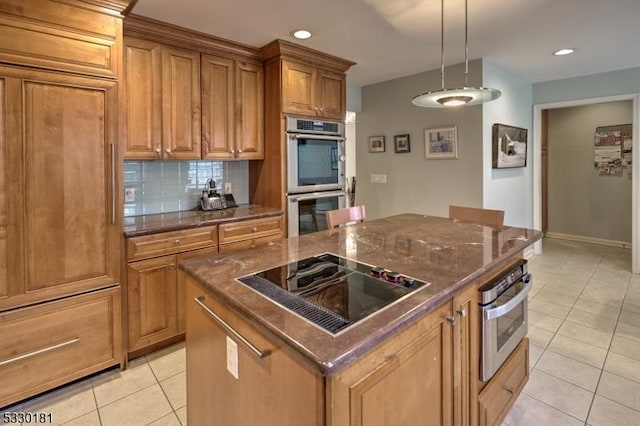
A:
<point x="539" y="124"/>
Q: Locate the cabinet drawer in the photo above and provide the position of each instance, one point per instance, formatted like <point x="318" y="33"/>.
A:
<point x="249" y="229"/>
<point x="251" y="243"/>
<point x="54" y="343"/>
<point x="496" y="399"/>
<point x="171" y="242"/>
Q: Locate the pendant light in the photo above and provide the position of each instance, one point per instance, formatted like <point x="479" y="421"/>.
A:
<point x="465" y="95"/>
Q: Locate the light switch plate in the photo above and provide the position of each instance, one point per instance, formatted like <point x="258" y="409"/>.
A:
<point x="228" y="188"/>
<point x="129" y="195"/>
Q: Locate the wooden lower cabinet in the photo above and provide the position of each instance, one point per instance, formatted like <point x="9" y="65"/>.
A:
<point x="53" y="343"/>
<point x="153" y="301"/>
<point x="497" y="398"/>
<point x="407" y="381"/>
<point x="275" y="390"/>
<point x="156" y="292"/>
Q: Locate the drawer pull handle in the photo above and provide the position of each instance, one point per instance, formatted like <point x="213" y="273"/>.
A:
<point x="451" y="319"/>
<point x="509" y="389"/>
<point x="226" y="327"/>
<point x="462" y="312"/>
<point x="254" y="229"/>
<point x="38" y="352"/>
<point x="176" y="242"/>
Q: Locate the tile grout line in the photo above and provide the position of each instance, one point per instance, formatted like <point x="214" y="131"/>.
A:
<point x="96" y="401"/>
<point x="173" y="410"/>
<point x="608" y="350"/>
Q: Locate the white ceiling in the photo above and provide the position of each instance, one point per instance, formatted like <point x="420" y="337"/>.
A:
<point x="394" y="38"/>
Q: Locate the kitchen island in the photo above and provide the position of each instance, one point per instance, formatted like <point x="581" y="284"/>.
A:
<point x="413" y="362"/>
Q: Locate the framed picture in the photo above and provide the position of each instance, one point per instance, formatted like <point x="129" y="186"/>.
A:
<point x="441" y="144"/>
<point x="376" y="143"/>
<point x="509" y="146"/>
<point x="402" y="143"/>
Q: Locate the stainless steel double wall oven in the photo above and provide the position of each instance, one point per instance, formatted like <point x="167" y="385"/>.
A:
<point x="315" y="173"/>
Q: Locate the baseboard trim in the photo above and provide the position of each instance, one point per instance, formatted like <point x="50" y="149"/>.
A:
<point x="583" y="239"/>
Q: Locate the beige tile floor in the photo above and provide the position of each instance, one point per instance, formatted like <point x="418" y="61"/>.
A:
<point x="584" y="316"/>
<point x="584" y="330"/>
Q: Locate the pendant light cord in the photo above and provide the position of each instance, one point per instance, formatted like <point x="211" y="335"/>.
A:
<point x="442" y="42"/>
<point x="466" y="48"/>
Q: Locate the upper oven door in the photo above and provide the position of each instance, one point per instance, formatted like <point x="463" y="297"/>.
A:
<point x="315" y="163"/>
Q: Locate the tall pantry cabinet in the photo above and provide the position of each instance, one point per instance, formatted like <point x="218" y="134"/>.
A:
<point x="60" y="218"/>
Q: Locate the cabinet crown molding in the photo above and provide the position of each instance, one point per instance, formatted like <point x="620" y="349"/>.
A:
<point x="143" y="27"/>
<point x="278" y="49"/>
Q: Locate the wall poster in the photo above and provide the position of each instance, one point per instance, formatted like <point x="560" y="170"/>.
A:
<point x="612" y="149"/>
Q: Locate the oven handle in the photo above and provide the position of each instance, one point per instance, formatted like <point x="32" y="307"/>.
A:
<point x="490" y="314"/>
<point x="316" y="196"/>
<point x="322" y="137"/>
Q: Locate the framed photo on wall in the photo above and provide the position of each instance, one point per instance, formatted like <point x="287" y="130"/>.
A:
<point x="441" y="143"/>
<point x="376" y="143"/>
<point x="402" y="143"/>
<point x="509" y="146"/>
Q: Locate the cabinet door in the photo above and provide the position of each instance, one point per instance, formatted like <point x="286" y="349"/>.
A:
<point x="465" y="357"/>
<point x="143" y="86"/>
<point x="218" y="107"/>
<point x="331" y="94"/>
<point x="61" y="209"/>
<point x="299" y="87"/>
<point x="153" y="296"/>
<point x="413" y="385"/>
<point x="261" y="394"/>
<point x="180" y="104"/>
<point x="250" y="111"/>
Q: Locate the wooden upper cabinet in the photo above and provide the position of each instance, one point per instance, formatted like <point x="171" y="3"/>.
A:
<point x="299" y="83"/>
<point x="218" y="107"/>
<point x="61" y="210"/>
<point x="143" y="87"/>
<point x="180" y="104"/>
<point x="314" y="91"/>
<point x="250" y="111"/>
<point x="232" y="109"/>
<point x="331" y="94"/>
<point x="162" y="101"/>
<point x="81" y="40"/>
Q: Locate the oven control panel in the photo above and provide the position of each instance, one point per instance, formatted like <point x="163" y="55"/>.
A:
<point x="491" y="291"/>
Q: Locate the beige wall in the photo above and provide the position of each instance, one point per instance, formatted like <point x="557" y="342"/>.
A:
<point x="413" y="183"/>
<point x="581" y="202"/>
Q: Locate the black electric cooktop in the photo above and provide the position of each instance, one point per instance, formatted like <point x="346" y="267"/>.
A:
<point x="331" y="291"/>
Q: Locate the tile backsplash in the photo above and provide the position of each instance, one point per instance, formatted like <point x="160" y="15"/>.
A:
<point x="169" y="186"/>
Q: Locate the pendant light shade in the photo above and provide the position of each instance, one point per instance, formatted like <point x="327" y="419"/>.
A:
<point x="462" y="96"/>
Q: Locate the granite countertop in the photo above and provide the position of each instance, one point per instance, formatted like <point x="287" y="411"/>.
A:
<point x="446" y="253"/>
<point x="152" y="223"/>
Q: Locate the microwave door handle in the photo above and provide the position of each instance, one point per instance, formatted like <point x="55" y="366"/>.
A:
<point x="507" y="307"/>
<point x="316" y="197"/>
<point x="323" y="137"/>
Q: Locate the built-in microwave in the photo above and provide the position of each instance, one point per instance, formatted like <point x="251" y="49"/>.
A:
<point x="315" y="155"/>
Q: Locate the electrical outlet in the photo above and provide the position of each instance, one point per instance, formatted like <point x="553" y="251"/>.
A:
<point x="378" y="178"/>
<point x="227" y="188"/>
<point x="129" y="195"/>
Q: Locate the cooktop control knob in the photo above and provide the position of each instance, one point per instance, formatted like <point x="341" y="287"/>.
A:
<point x="393" y="277"/>
<point x="377" y="272"/>
<point x="408" y="282"/>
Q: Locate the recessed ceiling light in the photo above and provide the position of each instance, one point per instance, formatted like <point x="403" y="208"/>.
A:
<point x="562" y="52"/>
<point x="301" y="34"/>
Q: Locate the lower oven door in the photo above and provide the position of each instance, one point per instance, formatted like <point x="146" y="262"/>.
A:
<point x="504" y="325"/>
<point x="306" y="211"/>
